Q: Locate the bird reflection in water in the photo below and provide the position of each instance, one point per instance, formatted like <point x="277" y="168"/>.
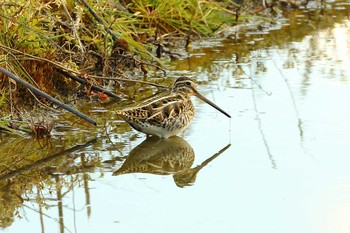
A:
<point x="171" y="156"/>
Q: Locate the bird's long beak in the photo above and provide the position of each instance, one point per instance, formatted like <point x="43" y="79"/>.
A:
<point x="200" y="96"/>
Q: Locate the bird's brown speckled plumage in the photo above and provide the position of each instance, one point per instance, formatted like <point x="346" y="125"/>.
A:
<point x="168" y="115"/>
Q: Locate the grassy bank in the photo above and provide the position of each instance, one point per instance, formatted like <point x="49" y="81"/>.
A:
<point x="94" y="40"/>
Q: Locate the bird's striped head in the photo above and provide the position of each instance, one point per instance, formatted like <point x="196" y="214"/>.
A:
<point x="185" y="84"/>
<point x="188" y="86"/>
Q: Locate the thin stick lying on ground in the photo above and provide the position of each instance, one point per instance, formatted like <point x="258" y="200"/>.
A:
<point x="46" y="96"/>
<point x="129" y="80"/>
<point x="94" y="87"/>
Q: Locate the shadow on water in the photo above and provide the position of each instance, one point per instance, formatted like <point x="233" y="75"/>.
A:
<point x="172" y="156"/>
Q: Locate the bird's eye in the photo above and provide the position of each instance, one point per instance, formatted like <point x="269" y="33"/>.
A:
<point x="188" y="83"/>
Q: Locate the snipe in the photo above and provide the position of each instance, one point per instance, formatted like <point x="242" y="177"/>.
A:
<point x="167" y="115"/>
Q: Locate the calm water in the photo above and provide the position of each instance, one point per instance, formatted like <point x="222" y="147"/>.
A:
<point x="281" y="164"/>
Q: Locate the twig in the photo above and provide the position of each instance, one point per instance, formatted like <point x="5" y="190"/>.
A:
<point x="46" y="96"/>
<point x="94" y="87"/>
<point x="29" y="77"/>
<point x="109" y="31"/>
<point x="5" y="48"/>
<point x="142" y="63"/>
<point x="128" y="80"/>
<point x="74" y="28"/>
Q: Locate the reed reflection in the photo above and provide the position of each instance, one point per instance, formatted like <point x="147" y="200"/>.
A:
<point x="34" y="181"/>
<point x="171" y="156"/>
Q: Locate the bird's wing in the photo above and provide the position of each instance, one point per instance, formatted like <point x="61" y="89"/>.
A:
<point x="157" y="111"/>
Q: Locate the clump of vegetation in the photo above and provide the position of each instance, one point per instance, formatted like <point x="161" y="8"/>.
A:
<point x="95" y="39"/>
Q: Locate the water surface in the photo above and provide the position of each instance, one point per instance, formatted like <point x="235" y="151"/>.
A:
<point x="279" y="165"/>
